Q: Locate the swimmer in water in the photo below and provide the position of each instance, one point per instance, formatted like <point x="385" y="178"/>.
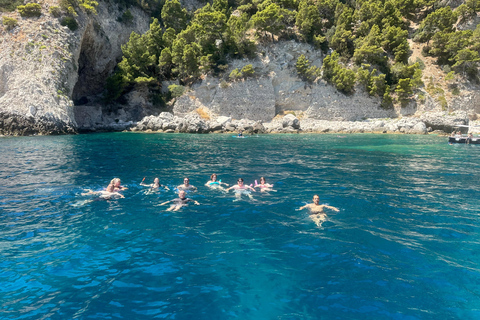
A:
<point x="155" y="185"/>
<point x="264" y="186"/>
<point x="117" y="184"/>
<point x="316" y="210"/>
<point x="186" y="185"/>
<point x="179" y="202"/>
<point x="240" y="188"/>
<point x="214" y="183"/>
<point x="107" y="194"/>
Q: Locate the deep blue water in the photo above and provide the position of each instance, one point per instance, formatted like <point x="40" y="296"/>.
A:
<point x="405" y="244"/>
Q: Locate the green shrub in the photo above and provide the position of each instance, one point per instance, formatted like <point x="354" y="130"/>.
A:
<point x="176" y="90"/>
<point x="443" y="103"/>
<point x="9" y="23"/>
<point x="127" y="17"/>
<point x="70" y="22"/>
<point x="420" y="62"/>
<point x="90" y="6"/>
<point x="248" y="71"/>
<point x="305" y="71"/>
<point x="30" y="10"/>
<point x="9" y="5"/>
<point x="55" y="11"/>
<point x="235" y="74"/>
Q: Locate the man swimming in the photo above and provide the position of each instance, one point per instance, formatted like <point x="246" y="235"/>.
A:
<point x="316" y="210"/>
<point x="186" y="185"/>
<point x="179" y="202"/>
<point x="240" y="188"/>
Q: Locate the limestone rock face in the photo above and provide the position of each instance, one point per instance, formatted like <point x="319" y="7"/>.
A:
<point x="251" y="99"/>
<point x="45" y="68"/>
<point x="444" y="121"/>
<point x="276" y="88"/>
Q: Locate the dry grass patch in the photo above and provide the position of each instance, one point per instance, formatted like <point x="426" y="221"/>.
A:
<point x="203" y="112"/>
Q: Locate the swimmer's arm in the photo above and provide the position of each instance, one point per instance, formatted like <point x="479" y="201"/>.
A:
<point x="196" y="202"/>
<point x="253" y="189"/>
<point x="144" y="184"/>
<point x="208" y="183"/>
<point x="332" y="208"/>
<point x="166" y="188"/>
<point x="164" y="203"/>
<point x="119" y="194"/>
<point x="304" y="207"/>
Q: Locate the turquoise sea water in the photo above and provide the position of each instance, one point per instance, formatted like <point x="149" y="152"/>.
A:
<point x="405" y="244"/>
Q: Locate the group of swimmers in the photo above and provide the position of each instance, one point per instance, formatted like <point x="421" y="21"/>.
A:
<point x="113" y="189"/>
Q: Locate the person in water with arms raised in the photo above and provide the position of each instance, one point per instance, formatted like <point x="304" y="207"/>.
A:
<point x="179" y="202"/>
<point x="317" y="213"/>
<point x="240" y="188"/>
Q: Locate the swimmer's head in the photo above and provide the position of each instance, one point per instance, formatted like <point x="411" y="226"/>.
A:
<point x="262" y="180"/>
<point x="116" y="182"/>
<point x="182" y="194"/>
<point x="186" y="181"/>
<point x="316" y="199"/>
<point x="156" y="181"/>
<point x="213" y="177"/>
<point x="240" y="181"/>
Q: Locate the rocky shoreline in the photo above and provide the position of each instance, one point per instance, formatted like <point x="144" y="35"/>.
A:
<point x="194" y="123"/>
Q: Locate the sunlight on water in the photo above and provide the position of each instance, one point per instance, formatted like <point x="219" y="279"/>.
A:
<point x="403" y="246"/>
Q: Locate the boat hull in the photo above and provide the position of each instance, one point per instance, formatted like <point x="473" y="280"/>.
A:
<point x="463" y="140"/>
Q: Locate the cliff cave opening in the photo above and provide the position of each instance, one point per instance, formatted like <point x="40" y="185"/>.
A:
<point x="94" y="66"/>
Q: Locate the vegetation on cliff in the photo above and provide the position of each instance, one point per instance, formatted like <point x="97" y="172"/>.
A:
<point x="366" y="42"/>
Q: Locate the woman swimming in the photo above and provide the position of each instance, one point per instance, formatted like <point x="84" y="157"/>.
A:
<point x="240" y="188"/>
<point x="264" y="186"/>
<point x="155" y="185"/>
<point x="107" y="194"/>
<point x="214" y="183"/>
<point x="117" y="184"/>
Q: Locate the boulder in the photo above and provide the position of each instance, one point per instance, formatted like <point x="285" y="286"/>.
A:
<point x="291" y="121"/>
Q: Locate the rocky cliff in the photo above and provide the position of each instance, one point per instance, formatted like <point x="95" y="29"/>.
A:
<point x="51" y="79"/>
<point x="46" y="69"/>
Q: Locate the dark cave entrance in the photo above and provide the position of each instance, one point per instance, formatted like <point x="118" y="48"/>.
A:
<point x="94" y="66"/>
